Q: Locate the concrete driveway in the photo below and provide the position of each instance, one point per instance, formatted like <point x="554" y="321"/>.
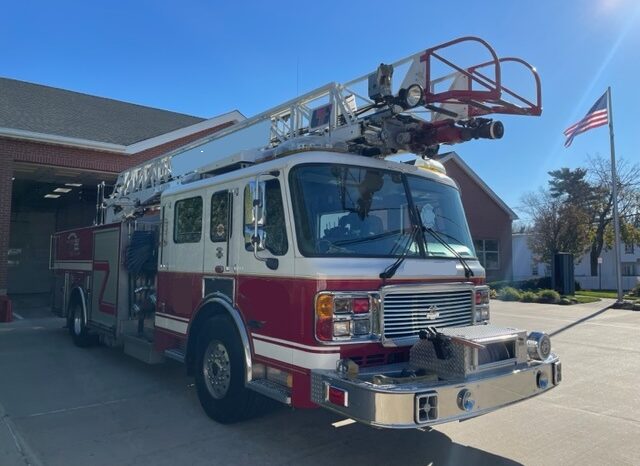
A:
<point x="61" y="405"/>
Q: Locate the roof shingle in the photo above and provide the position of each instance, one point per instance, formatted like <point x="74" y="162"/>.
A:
<point x="49" y="110"/>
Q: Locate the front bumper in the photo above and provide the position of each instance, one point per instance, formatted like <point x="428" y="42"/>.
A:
<point x="413" y="405"/>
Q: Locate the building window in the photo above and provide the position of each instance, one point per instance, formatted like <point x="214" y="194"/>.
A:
<point x="187" y="224"/>
<point x="628" y="248"/>
<point x="220" y="217"/>
<point x="488" y="252"/>
<point x="629" y="269"/>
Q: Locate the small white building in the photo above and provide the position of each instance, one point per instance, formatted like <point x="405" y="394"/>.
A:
<point x="526" y="266"/>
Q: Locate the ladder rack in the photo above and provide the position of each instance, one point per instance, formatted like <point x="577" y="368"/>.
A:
<point x="368" y="115"/>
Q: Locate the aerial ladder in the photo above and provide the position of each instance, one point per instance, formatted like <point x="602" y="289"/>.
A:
<point x="436" y="101"/>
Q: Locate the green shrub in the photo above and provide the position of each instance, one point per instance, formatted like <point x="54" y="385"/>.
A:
<point x="509" y="294"/>
<point x="493" y="294"/>
<point x="548" y="296"/>
<point x="528" y="297"/>
<point x="498" y="285"/>
<point x="565" y="301"/>
<point x="535" y="283"/>
<point x="635" y="291"/>
<point x="532" y="284"/>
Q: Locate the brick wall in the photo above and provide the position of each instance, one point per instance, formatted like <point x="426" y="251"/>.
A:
<point x="487" y="219"/>
<point x="69" y="157"/>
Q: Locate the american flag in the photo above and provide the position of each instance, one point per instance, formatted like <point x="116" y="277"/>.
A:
<point x="598" y="115"/>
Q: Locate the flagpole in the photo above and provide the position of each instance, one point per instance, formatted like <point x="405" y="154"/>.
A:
<point x="614" y="193"/>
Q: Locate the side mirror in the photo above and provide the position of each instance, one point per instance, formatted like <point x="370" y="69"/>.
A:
<point x="257" y="209"/>
<point x="259" y="217"/>
<point x="272" y="263"/>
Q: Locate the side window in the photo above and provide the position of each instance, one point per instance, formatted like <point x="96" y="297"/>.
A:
<point x="187" y="223"/>
<point x="272" y="224"/>
<point x="220" y="217"/>
<point x="488" y="252"/>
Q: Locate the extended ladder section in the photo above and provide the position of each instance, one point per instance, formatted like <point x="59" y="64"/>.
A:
<point x="437" y="100"/>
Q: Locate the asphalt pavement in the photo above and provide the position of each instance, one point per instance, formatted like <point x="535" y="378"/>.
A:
<point x="62" y="405"/>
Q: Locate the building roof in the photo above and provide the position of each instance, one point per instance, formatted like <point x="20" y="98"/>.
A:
<point x="35" y="108"/>
<point x="452" y="156"/>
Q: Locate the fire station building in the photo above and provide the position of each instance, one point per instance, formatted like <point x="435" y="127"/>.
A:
<point x="57" y="145"/>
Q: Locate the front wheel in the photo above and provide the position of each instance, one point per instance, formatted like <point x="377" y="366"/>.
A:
<point x="220" y="373"/>
<point x="78" y="326"/>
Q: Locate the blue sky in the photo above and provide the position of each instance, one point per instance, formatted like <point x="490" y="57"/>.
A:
<point x="204" y="59"/>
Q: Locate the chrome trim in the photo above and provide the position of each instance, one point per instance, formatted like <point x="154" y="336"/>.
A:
<point x="394" y="405"/>
<point x="453" y="287"/>
<point x="221" y="299"/>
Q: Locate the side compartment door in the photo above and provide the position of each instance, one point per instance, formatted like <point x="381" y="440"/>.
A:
<point x="104" y="282"/>
<point x="221" y="240"/>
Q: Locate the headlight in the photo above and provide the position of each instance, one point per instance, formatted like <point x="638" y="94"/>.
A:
<point x="482" y="304"/>
<point x="344" y="316"/>
<point x="538" y="346"/>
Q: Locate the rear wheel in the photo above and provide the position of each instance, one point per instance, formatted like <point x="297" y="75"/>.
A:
<point x="78" y="326"/>
<point x="220" y="370"/>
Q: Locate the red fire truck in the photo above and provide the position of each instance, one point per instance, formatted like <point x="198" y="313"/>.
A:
<point x="295" y="256"/>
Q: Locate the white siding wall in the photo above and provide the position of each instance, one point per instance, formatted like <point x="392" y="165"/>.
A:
<point x="523" y="261"/>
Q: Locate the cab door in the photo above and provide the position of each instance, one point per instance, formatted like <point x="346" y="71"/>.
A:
<point x="220" y="241"/>
<point x="181" y="256"/>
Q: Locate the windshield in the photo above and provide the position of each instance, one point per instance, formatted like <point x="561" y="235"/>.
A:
<point x="353" y="211"/>
<point x="441" y="211"/>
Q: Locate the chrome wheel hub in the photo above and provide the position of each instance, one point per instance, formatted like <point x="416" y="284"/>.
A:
<point x="217" y="369"/>
<point x="77" y="322"/>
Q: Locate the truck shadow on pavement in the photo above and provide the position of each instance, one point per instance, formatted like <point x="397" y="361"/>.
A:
<point x="580" y="321"/>
<point x="308" y="437"/>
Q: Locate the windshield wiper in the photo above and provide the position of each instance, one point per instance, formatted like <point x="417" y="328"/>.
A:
<point x="392" y="269"/>
<point x="364" y="239"/>
<point x="468" y="273"/>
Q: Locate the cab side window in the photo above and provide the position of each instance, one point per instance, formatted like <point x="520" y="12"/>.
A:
<point x="187" y="224"/>
<point x="220" y="217"/>
<point x="272" y="224"/>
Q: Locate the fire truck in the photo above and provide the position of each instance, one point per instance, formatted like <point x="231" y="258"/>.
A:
<point x="298" y="255"/>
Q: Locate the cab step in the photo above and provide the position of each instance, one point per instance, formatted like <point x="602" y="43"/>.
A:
<point x="176" y="354"/>
<point x="271" y="390"/>
<point x="141" y="348"/>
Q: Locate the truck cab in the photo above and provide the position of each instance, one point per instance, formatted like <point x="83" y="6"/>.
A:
<point x="335" y="266"/>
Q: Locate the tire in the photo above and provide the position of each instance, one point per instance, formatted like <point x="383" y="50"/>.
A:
<point x="78" y="326"/>
<point x="219" y="374"/>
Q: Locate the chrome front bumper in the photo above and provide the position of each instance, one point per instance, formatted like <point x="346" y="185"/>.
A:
<point x="413" y="405"/>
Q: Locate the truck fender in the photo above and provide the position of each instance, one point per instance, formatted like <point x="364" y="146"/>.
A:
<point x="79" y="293"/>
<point x="212" y="305"/>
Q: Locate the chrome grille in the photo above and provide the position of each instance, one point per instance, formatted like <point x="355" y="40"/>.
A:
<point x="405" y="310"/>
